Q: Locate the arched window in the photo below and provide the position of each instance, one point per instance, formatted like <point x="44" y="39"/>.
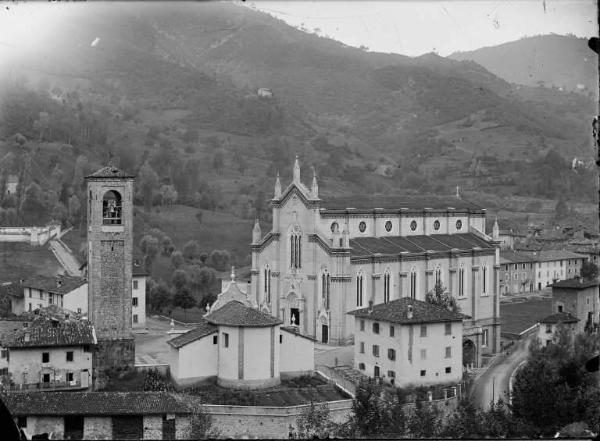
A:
<point x="386" y="286"/>
<point x="438" y="275"/>
<point x="111" y="208"/>
<point x="267" y="277"/>
<point x="413" y="283"/>
<point x="325" y="288"/>
<point x="461" y="280"/>
<point x="484" y="279"/>
<point x="359" y="289"/>
<point x="296" y="249"/>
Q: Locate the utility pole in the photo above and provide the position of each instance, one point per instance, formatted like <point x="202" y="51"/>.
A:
<point x="493" y="388"/>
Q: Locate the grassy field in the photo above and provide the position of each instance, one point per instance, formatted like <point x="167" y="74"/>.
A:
<point x="517" y="317"/>
<point x="21" y="259"/>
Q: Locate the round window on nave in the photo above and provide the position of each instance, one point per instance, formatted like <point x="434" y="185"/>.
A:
<point x="413" y="225"/>
<point x="362" y="227"/>
<point x="334" y="226"/>
<point x="436" y="225"/>
<point x="458" y="224"/>
<point x="388" y="226"/>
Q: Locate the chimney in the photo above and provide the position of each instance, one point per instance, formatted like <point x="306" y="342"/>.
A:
<point x="370" y="306"/>
<point x="409" y="313"/>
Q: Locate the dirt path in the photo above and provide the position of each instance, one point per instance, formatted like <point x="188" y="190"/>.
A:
<point x="494" y="382"/>
<point x="65" y="257"/>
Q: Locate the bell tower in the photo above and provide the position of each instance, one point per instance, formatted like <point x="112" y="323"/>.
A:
<point x="110" y="246"/>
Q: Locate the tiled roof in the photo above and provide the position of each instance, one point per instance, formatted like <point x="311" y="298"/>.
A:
<point x="202" y="330"/>
<point x="412" y="202"/>
<point x="236" y="314"/>
<point x="46" y="331"/>
<point x="560" y="317"/>
<point x="396" y="312"/>
<point x="550" y="255"/>
<point x="55" y="285"/>
<point x="94" y="403"/>
<point x="393" y="245"/>
<point x="138" y="270"/>
<point x="109" y="172"/>
<point x="512" y="257"/>
<point x="575" y="283"/>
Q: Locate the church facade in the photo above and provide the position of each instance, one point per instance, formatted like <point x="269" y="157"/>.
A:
<point x="325" y="258"/>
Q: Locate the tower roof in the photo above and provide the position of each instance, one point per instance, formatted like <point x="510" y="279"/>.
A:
<point x="110" y="172"/>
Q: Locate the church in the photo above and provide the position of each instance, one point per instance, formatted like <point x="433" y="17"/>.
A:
<point x="326" y="257"/>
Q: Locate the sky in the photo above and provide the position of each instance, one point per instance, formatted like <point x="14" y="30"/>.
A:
<point x="417" y="27"/>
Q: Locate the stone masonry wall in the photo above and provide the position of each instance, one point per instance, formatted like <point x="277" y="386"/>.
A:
<point x="97" y="428"/>
<point x="153" y="426"/>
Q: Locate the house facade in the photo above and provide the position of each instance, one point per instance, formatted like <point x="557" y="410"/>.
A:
<point x="101" y="415"/>
<point x="409" y="342"/>
<point x="517" y="273"/>
<point x="51" y="354"/>
<point x="580" y="298"/>
<point x="548" y="326"/>
<point x="555" y="265"/>
<point x="240" y="346"/>
<point x="138" y="297"/>
<point x="326" y="257"/>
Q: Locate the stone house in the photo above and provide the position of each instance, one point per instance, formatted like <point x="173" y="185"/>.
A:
<point x="409" y="342"/>
<point x="51" y="353"/>
<point x="41" y="291"/>
<point x="100" y="415"/>
<point x="549" y="325"/>
<point x="580" y="298"/>
<point x="240" y="346"/>
<point x="555" y="265"/>
<point x="517" y="272"/>
<point x="325" y="257"/>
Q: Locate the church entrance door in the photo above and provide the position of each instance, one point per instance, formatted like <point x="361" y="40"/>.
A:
<point x="295" y="316"/>
<point x="325" y="333"/>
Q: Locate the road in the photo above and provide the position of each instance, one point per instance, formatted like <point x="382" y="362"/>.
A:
<point x="493" y="383"/>
<point x="65" y="257"/>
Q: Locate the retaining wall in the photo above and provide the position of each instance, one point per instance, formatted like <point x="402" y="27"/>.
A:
<point x="36" y="236"/>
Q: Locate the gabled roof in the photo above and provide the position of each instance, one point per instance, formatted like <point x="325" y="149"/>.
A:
<point x="236" y="314"/>
<point x="110" y="172"/>
<point x="55" y="285"/>
<point x="47" y="332"/>
<point x="94" y="403"/>
<point x="396" y="311"/>
<point x="202" y="330"/>
<point x="394" y="245"/>
<point x="560" y="317"/>
<point x="576" y="283"/>
<point x="412" y="202"/>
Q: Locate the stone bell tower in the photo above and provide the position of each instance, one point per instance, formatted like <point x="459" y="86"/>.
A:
<point x="110" y="246"/>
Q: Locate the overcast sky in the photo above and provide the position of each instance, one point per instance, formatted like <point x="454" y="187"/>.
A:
<point x="418" y="27"/>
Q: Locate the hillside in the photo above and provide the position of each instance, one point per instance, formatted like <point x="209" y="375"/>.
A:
<point x="169" y="93"/>
<point x="551" y="60"/>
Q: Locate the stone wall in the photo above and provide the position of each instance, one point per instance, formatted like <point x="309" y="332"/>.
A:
<point x="46" y="424"/>
<point x="153" y="426"/>
<point x="36" y="236"/>
<point x="266" y="422"/>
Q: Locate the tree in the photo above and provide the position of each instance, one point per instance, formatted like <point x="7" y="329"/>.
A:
<point x="368" y="408"/>
<point x="74" y="209"/>
<point x="561" y="210"/>
<point x="424" y="420"/>
<point x="167" y="246"/>
<point x="218" y="161"/>
<point x="155" y="382"/>
<point x="160" y="297"/>
<point x="180" y="279"/>
<point x="219" y="259"/>
<point x="191" y="250"/>
<point x="177" y="259"/>
<point x="168" y="194"/>
<point x="314" y="422"/>
<point x="149" y="246"/>
<point x="589" y="270"/>
<point x="183" y="299"/>
<point x="201" y="422"/>
<point x="440" y="297"/>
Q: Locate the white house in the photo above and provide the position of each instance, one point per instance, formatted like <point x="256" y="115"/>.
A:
<point x="240" y="346"/>
<point x="71" y="293"/>
<point x="11" y="184"/>
<point x="548" y="326"/>
<point x="51" y="354"/>
<point x="409" y="342"/>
